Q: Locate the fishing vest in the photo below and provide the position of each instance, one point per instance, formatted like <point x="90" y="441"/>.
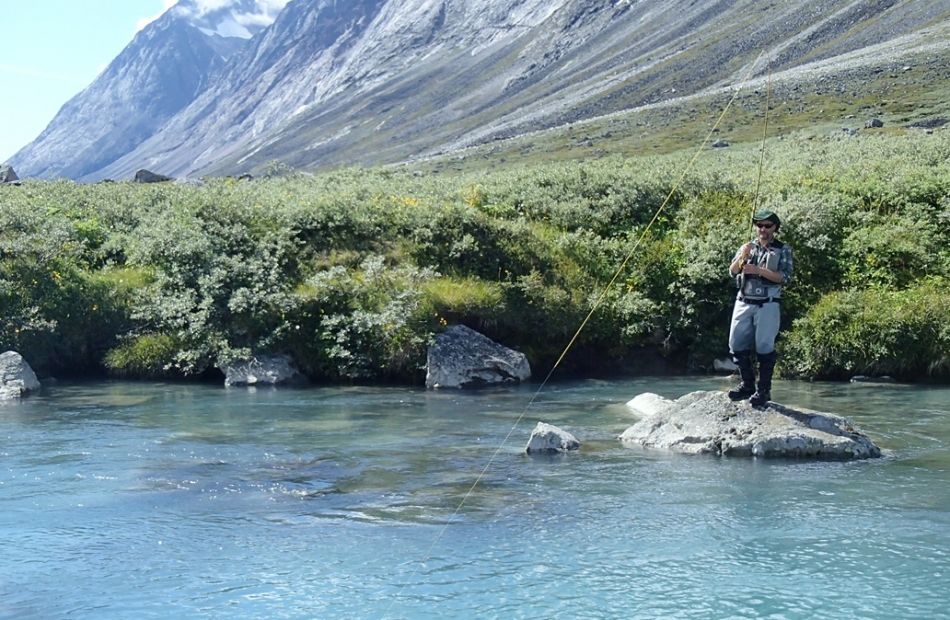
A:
<point x="753" y="287"/>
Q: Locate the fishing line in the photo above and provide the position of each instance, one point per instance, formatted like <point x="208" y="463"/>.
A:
<point x="600" y="299"/>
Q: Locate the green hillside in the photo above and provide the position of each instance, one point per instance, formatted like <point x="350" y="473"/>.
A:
<point x="352" y="271"/>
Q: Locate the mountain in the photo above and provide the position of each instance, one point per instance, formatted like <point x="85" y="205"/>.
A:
<point x="330" y="82"/>
<point x="157" y="75"/>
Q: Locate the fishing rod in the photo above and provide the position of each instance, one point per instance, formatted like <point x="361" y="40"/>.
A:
<point x="599" y="301"/>
<point x="758" y="178"/>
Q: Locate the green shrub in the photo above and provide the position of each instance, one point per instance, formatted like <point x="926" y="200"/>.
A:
<point x="368" y="323"/>
<point x="147" y="356"/>
<point x="352" y="270"/>
<point x="876" y="331"/>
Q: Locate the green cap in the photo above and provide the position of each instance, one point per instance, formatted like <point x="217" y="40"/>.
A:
<point x="764" y="215"/>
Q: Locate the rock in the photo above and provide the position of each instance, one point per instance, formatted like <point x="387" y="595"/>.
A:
<point x="7" y="175"/>
<point x="261" y="370"/>
<point x="850" y="131"/>
<point x="725" y="365"/>
<point x="147" y="176"/>
<point x="547" y="439"/>
<point x="874" y="122"/>
<point x="648" y="403"/>
<point x="16" y="377"/>
<point x="710" y="423"/>
<point x="720" y="144"/>
<point x="930" y="123"/>
<point x="461" y="357"/>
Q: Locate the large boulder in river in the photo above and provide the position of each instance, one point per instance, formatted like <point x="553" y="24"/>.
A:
<point x="261" y="370"/>
<point x="461" y="357"/>
<point x="16" y="377"/>
<point x="710" y="423"/>
<point x="549" y="439"/>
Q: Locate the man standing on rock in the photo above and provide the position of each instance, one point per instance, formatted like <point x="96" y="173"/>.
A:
<point x="762" y="267"/>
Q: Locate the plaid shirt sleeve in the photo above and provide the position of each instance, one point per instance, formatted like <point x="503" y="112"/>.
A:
<point x="785" y="264"/>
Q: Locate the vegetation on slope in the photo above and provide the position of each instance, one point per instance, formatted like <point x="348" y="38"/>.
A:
<point x="352" y="271"/>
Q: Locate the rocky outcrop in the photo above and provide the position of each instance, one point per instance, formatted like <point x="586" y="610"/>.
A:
<point x="461" y="357"/>
<point x="710" y="423"/>
<point x="147" y="176"/>
<point x="261" y="370"/>
<point x="7" y="175"/>
<point x="16" y="377"/>
<point x="549" y="439"/>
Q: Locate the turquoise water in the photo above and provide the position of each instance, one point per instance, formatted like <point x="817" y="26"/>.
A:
<point x="124" y="500"/>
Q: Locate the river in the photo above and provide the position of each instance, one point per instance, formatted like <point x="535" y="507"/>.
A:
<point x="147" y="500"/>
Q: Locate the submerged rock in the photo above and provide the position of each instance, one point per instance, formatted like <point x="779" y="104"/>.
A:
<point x="16" y="377"/>
<point x="710" y="423"/>
<point x="865" y="379"/>
<point x="547" y="439"/>
<point x="461" y="357"/>
<point x="648" y="403"/>
<point x="261" y="370"/>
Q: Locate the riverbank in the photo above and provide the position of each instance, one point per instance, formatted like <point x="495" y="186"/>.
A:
<point x="352" y="272"/>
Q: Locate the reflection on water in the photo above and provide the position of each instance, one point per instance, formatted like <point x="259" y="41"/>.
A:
<point x="167" y="500"/>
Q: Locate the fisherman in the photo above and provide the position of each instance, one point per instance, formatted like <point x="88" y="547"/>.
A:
<point x="761" y="267"/>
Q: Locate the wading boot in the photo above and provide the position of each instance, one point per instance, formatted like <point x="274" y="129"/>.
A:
<point x="743" y="360"/>
<point x="766" y="366"/>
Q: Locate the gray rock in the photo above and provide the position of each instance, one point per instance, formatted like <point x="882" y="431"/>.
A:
<point x="874" y="122"/>
<point x="7" y="175"/>
<point x="16" y="377"/>
<point x="720" y="144"/>
<point x="547" y="439"/>
<point x="710" y="423"/>
<point x="725" y="365"/>
<point x="461" y="357"/>
<point x="648" y="404"/>
<point x="261" y="370"/>
<point x="147" y="176"/>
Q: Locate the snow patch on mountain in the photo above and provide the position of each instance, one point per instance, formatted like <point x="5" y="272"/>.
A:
<point x="229" y="18"/>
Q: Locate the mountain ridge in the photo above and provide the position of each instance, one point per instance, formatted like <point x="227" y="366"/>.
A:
<point x="383" y="81"/>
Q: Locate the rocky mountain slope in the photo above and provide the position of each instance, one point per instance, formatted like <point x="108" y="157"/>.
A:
<point x="379" y="81"/>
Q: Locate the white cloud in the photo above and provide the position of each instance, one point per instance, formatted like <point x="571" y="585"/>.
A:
<point x="267" y="13"/>
<point x="263" y="13"/>
<point x="207" y="6"/>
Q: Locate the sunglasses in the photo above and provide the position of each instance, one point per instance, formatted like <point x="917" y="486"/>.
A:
<point x="765" y="225"/>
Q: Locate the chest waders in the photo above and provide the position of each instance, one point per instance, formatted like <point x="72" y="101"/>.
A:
<point x="755" y="324"/>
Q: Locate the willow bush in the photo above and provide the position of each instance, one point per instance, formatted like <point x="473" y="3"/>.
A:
<point x="352" y="271"/>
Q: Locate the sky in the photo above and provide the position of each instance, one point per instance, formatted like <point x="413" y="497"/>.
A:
<point x="52" y="49"/>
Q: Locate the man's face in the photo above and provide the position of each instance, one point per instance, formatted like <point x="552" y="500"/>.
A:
<point x="766" y="230"/>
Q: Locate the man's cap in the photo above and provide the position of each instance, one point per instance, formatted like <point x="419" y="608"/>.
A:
<point x="764" y="215"/>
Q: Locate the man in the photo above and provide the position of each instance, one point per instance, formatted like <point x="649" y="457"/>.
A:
<point x="762" y="267"/>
